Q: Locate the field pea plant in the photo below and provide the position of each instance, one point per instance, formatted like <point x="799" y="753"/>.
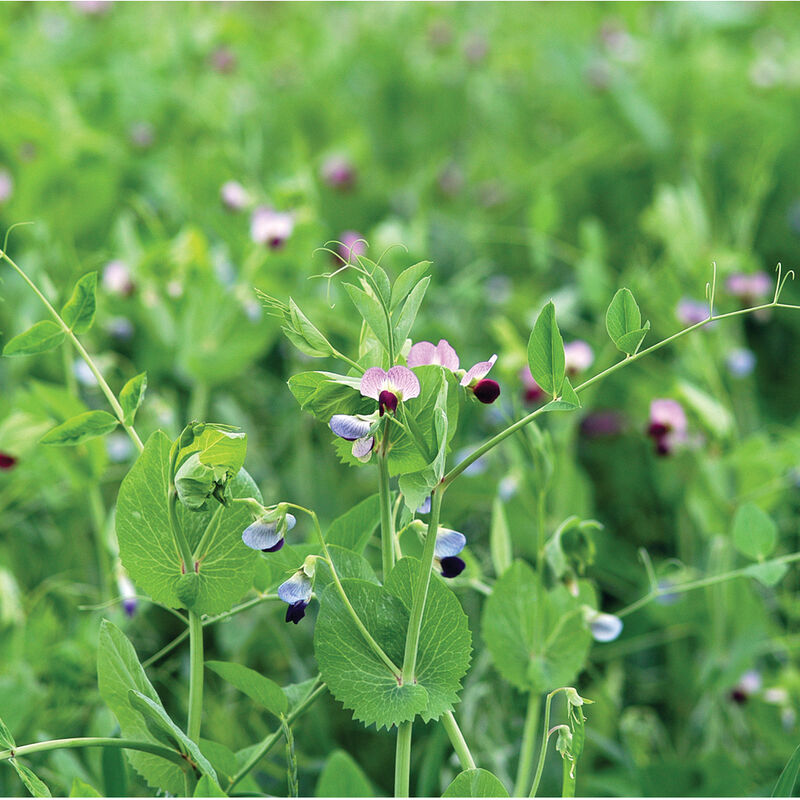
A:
<point x="391" y="641"/>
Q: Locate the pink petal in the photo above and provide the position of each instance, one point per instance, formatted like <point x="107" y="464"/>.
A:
<point x="403" y="381"/>
<point x="447" y="356"/>
<point x="372" y="382"/>
<point x="480" y="370"/>
<point x="422" y="353"/>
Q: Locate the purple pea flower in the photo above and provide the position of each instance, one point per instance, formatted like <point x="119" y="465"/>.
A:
<point x="270" y="227"/>
<point x="578" y="356"/>
<point x="668" y="425"/>
<point x="443" y="354"/>
<point x="690" y="311"/>
<point x="296" y="592"/>
<point x="449" y="544"/>
<point x="388" y="388"/>
<point x="234" y="196"/>
<point x="356" y="429"/>
<point x="127" y="592"/>
<point x="352" y="244"/>
<point x="532" y="392"/>
<point x="339" y="173"/>
<point x="268" y="532"/>
<point x="749" y="288"/>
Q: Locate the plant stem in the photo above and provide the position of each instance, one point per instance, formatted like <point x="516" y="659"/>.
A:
<point x="421" y="590"/>
<point x="402" y="762"/>
<point x="275" y="737"/>
<point x="457" y="740"/>
<point x="387" y="520"/>
<point x="195" y="676"/>
<point x="101" y="381"/>
<point x="521" y="423"/>
<point x="529" y="734"/>
<point x="545" y="739"/>
<point x="98" y="514"/>
<point x="97" y="741"/>
<point x="368" y="638"/>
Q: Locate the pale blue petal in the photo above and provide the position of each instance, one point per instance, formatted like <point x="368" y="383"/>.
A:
<point x="297" y="588"/>
<point x="449" y="543"/>
<point x="261" y="535"/>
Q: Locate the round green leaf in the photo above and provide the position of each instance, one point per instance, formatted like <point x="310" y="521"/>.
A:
<point x="754" y="532"/>
<point x="475" y="783"/>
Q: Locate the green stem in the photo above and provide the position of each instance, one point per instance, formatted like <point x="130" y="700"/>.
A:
<point x="568" y="778"/>
<point x="387" y="520"/>
<point x="529" y="734"/>
<point x="198" y="401"/>
<point x="342" y="357"/>
<point x="545" y="739"/>
<point x="98" y="514"/>
<point x="421" y="591"/>
<point x="402" y="762"/>
<point x="209" y="533"/>
<point x="521" y="423"/>
<point x="97" y="741"/>
<point x="701" y="583"/>
<point x="195" y="676"/>
<point x="368" y="638"/>
<point x="101" y="381"/>
<point x="275" y="737"/>
<point x="457" y="740"/>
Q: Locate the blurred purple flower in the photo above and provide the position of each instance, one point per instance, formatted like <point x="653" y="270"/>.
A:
<point x="668" y="425"/>
<point x="690" y="311"/>
<point x="338" y="172"/>
<point x="578" y="356"/>
<point x="599" y="424"/>
<point x="351" y="244"/>
<point x="6" y="185"/>
<point x="117" y="278"/>
<point x="533" y="393"/>
<point x="270" y="227"/>
<point x="234" y="196"/>
<point x="749" y="288"/>
<point x="740" y="362"/>
<point x="223" y="60"/>
<point x="127" y="592"/>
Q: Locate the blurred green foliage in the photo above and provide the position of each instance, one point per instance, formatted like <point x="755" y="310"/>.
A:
<point x="530" y="151"/>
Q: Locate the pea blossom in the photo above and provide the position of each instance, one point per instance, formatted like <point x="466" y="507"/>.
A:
<point x="339" y="173"/>
<point x="449" y="544"/>
<point x="268" y="531"/>
<point x="271" y="227"/>
<point x="603" y="627"/>
<point x="351" y="244"/>
<point x="297" y="590"/>
<point x="532" y="392"/>
<point x="668" y="425"/>
<point x="127" y="592"/>
<point x="443" y="354"/>
<point x="234" y="196"/>
<point x="578" y="357"/>
<point x="749" y="288"/>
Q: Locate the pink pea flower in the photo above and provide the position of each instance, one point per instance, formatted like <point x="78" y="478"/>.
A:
<point x="234" y="196"/>
<point x="668" y="425"/>
<point x="443" y="354"/>
<point x="532" y="392"/>
<point x="270" y="227"/>
<point x="351" y="244"/>
<point x="749" y="288"/>
<point x="6" y="185"/>
<point x="690" y="311"/>
<point x="338" y="172"/>
<point x="117" y="278"/>
<point x="578" y="356"/>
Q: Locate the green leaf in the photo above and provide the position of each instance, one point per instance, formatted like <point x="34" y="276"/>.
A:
<point x="788" y="778"/>
<point x="33" y="784"/>
<point x="754" y="532"/>
<point x="147" y="548"/>
<point x="714" y="415"/>
<point x="39" y="338"/>
<point x="360" y="680"/>
<point x="475" y="783"/>
<point x="222" y="758"/>
<point x="769" y="573"/>
<point x="115" y="775"/>
<point x="342" y="777"/>
<point x="78" y="312"/>
<point x="546" y="351"/>
<point x="82" y="789"/>
<point x="324" y="394"/>
<point x="119" y="672"/>
<point x="305" y="336"/>
<point x="408" y="314"/>
<point x="6" y="739"/>
<point x="348" y="565"/>
<point x="208" y="787"/>
<point x="222" y="448"/>
<point x="131" y="396"/>
<point x="80" y="428"/>
<point x="155" y="716"/>
<point x="406" y="281"/>
<point x="536" y="637"/>
<point x="372" y="312"/>
<point x="624" y="322"/>
<point x="355" y="527"/>
<point x="500" y="537"/>
<point x="256" y="686"/>
<point x="569" y="400"/>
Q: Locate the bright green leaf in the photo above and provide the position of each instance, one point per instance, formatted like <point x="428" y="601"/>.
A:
<point x="6" y="739"/>
<point x="475" y="783"/>
<point x="546" y="358"/>
<point x="342" y="777"/>
<point x="131" y="396"/>
<point x="33" y="784"/>
<point x="78" y="312"/>
<point x="754" y="533"/>
<point x="256" y="686"/>
<point x="624" y="322"/>
<point x="39" y="338"/>
<point x="569" y="400"/>
<point x="372" y="312"/>
<point x="788" y="778"/>
<point x="409" y="312"/>
<point x="82" y="789"/>
<point x="208" y="787"/>
<point x="406" y="281"/>
<point x="324" y="394"/>
<point x="355" y="527"/>
<point x="80" y="428"/>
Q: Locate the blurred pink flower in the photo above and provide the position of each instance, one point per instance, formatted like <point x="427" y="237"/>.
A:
<point x="578" y="356"/>
<point x="749" y="288"/>
<point x="338" y="172"/>
<point x="234" y="196"/>
<point x="668" y="425"/>
<point x="270" y="227"/>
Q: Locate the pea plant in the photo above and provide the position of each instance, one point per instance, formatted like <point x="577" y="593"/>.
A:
<point x="392" y="644"/>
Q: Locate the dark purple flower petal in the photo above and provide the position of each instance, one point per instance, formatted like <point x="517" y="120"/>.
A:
<point x="487" y="390"/>
<point x="7" y="461"/>
<point x="274" y="548"/>
<point x="296" y="611"/>
<point x="387" y="401"/>
<point x="452" y="566"/>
